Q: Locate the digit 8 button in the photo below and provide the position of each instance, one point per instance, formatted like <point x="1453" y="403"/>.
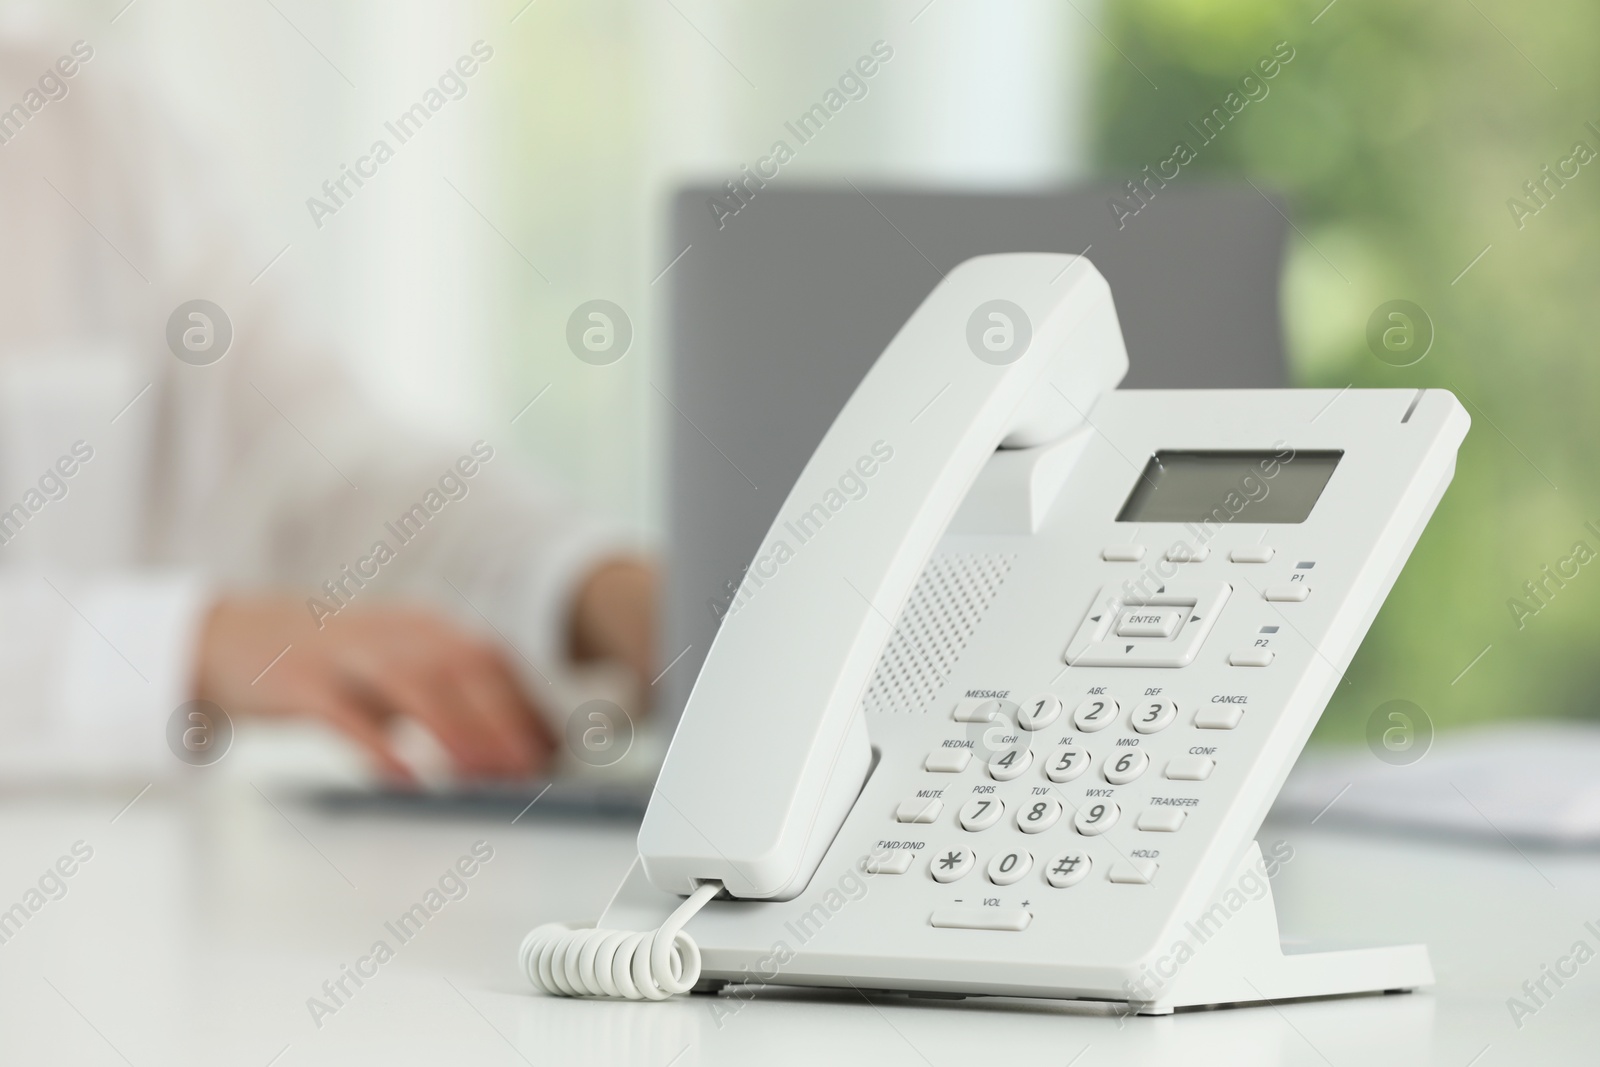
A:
<point x="1096" y="713"/>
<point x="1126" y="766"/>
<point x="1038" y="816"/>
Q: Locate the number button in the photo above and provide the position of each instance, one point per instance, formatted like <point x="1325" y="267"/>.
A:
<point x="1096" y="818"/>
<point x="980" y="813"/>
<point x="1096" y="713"/>
<point x="951" y="864"/>
<point x="1008" y="867"/>
<point x="1068" y="764"/>
<point x="1039" y="712"/>
<point x="1068" y="869"/>
<point x="1006" y="765"/>
<point x="1126" y="767"/>
<point x="1156" y="715"/>
<point x="1039" y="816"/>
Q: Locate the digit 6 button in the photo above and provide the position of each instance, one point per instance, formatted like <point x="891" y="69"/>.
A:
<point x="1096" y="713"/>
<point x="1126" y="767"/>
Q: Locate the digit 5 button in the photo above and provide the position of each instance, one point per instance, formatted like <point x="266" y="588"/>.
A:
<point x="1127" y="766"/>
<point x="1066" y="764"/>
<point x="1096" y="713"/>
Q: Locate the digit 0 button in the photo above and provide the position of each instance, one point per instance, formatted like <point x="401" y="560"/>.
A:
<point x="1096" y="713"/>
<point x="1096" y="818"/>
<point x="1008" y="763"/>
<point x="980" y="813"/>
<point x="1039" y="815"/>
<point x="1066" y="764"/>
<point x="1039" y="712"/>
<point x="1126" y="766"/>
<point x="951" y="863"/>
<point x="1152" y="716"/>
<point x="1010" y="866"/>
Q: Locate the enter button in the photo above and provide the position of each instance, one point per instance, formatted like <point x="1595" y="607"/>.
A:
<point x="1150" y="622"/>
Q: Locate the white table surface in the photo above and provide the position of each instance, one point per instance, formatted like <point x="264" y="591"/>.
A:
<point x="205" y="919"/>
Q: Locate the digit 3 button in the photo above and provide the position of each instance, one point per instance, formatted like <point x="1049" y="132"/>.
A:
<point x="980" y="813"/>
<point x="1038" y="816"/>
<point x="1096" y="818"/>
<point x="1125" y="766"/>
<point x="1039" y="712"/>
<point x="1068" y="869"/>
<point x="1153" y="716"/>
<point x="1096" y="713"/>
<point x="951" y="863"/>
<point x="1007" y="867"/>
<point x="1009" y="762"/>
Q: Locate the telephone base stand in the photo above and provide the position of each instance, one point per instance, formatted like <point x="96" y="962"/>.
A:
<point x="1242" y="962"/>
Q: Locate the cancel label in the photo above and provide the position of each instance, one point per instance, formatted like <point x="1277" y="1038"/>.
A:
<point x="1230" y="698"/>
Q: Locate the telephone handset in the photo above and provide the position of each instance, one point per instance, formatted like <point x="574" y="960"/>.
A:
<point x="1019" y="645"/>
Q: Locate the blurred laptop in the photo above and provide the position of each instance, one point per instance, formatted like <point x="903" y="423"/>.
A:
<point x="775" y="315"/>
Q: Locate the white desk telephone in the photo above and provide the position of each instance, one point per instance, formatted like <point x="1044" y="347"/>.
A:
<point x="1016" y="674"/>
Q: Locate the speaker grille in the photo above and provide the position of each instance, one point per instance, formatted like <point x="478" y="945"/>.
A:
<point x="938" y="621"/>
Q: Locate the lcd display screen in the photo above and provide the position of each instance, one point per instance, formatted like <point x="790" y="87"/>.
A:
<point x="1218" y="487"/>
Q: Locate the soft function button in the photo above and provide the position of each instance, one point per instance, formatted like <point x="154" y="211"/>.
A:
<point x="1190" y="768"/>
<point x="1122" y="553"/>
<point x="1290" y="591"/>
<point x="1039" y="712"/>
<point x="947" y="760"/>
<point x="983" y="710"/>
<point x="896" y="862"/>
<point x="951" y="863"/>
<point x="1150" y="622"/>
<point x="1096" y="713"/>
<point x="1096" y="818"/>
<point x="1009" y="763"/>
<point x="1251" y="657"/>
<point x="1251" y="554"/>
<point x="1182" y="553"/>
<point x="1068" y="869"/>
<point x="980" y="813"/>
<point x="1009" y="867"/>
<point x="1125" y="766"/>
<point x="1066" y="764"/>
<point x="919" y="809"/>
<point x="1153" y="716"/>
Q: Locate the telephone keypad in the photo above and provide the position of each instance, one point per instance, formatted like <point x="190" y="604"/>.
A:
<point x="1096" y="713"/>
<point x="1010" y="763"/>
<point x="950" y="864"/>
<point x="1122" y="768"/>
<point x="1039" y="815"/>
<point x="980" y="813"/>
<point x="1009" y="867"/>
<point x="1095" y="819"/>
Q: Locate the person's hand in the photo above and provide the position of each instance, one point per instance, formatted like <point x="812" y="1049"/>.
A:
<point x="614" y="617"/>
<point x="367" y="667"/>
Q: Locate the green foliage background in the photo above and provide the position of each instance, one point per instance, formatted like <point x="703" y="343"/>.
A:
<point x="1398" y="133"/>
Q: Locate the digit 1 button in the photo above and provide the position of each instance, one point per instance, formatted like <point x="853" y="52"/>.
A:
<point x="951" y="864"/>
<point x="1156" y="715"/>
<point x="1038" y="816"/>
<point x="1008" y="867"/>
<point x="1126" y="767"/>
<point x="1006" y="765"/>
<point x="1097" y="818"/>
<point x="1068" y="869"/>
<point x="980" y="813"/>
<point x="1096" y="713"/>
<point x="1066" y="764"/>
<point x="1039" y="712"/>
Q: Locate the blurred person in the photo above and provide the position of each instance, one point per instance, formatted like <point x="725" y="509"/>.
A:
<point x="243" y="531"/>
